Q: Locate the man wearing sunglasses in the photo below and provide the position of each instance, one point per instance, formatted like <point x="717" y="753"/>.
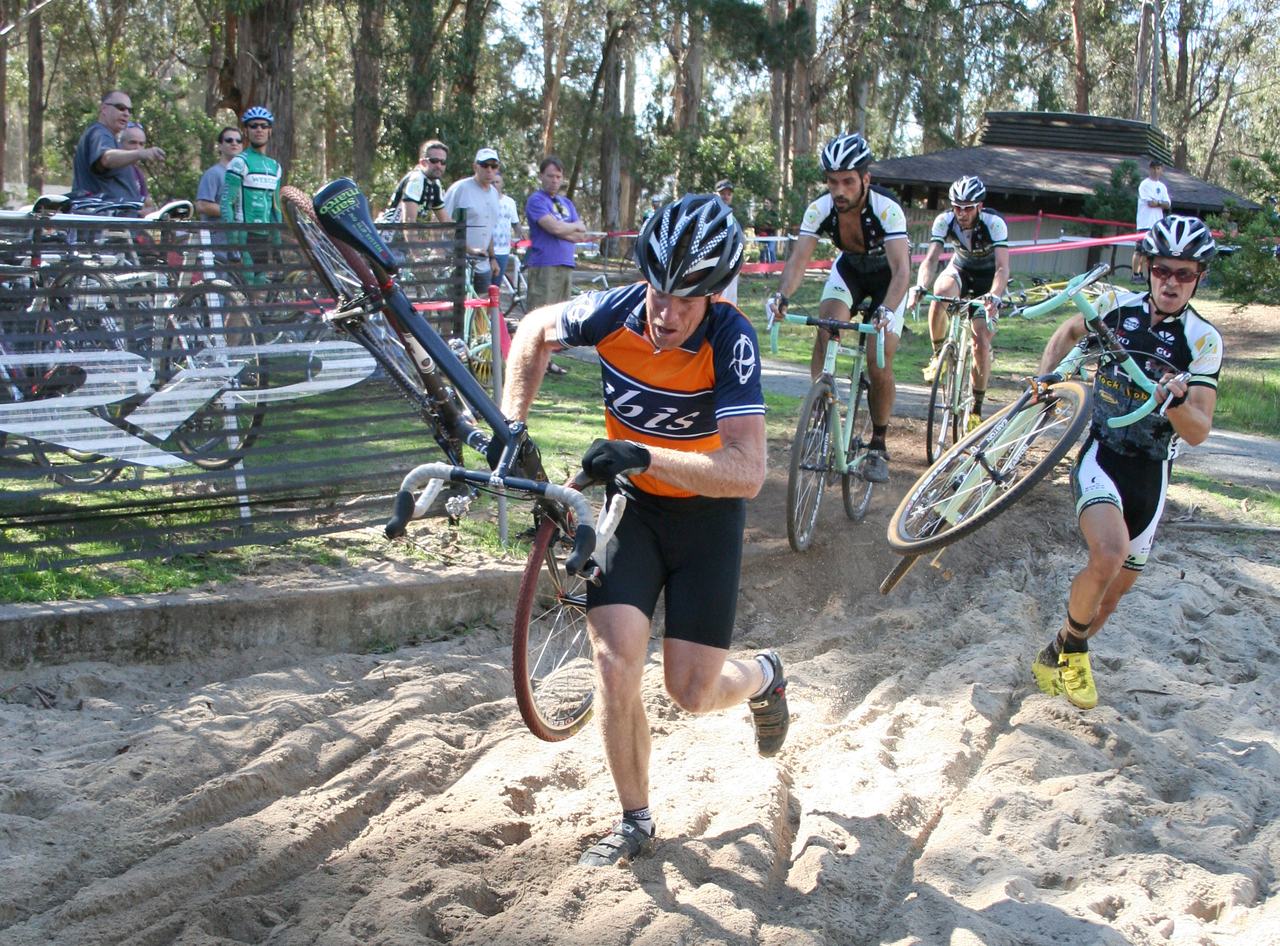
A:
<point x="100" y="167"/>
<point x="251" y="193"/>
<point x="478" y="198"/>
<point x="979" y="266"/>
<point x="420" y="189"/>
<point x="1121" y="474"/>
<point x="228" y="144"/>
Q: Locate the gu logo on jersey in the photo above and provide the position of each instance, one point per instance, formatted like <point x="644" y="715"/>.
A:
<point x="1131" y="324"/>
<point x="1163" y="352"/>
<point x="744" y="359"/>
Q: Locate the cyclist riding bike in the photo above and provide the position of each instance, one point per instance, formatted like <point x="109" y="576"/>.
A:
<point x="684" y="418"/>
<point x="1121" y="474"/>
<point x="979" y="267"/>
<point x="870" y="229"/>
<point x="251" y="193"/>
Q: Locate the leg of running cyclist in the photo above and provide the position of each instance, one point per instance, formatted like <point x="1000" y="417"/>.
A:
<point x="981" y="362"/>
<point x="945" y="285"/>
<point x="701" y="680"/>
<point x="620" y="640"/>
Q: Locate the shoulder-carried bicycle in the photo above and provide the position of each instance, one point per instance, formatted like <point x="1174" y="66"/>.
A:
<point x="551" y="650"/>
<point x="996" y="464"/>
<point x="828" y="443"/>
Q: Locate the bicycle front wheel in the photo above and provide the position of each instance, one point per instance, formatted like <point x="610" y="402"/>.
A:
<point x="942" y="428"/>
<point x="551" y="658"/>
<point x="989" y="470"/>
<point x="811" y="455"/>
<point x="856" y="488"/>
<point x="343" y="271"/>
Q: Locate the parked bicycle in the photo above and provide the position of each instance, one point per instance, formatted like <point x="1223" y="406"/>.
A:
<point x="827" y="443"/>
<point x="999" y="462"/>
<point x="551" y="651"/>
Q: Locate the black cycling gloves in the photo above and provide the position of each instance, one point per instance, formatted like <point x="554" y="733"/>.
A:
<point x="606" y="459"/>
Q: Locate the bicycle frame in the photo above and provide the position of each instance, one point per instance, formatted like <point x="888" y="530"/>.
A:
<point x="844" y="432"/>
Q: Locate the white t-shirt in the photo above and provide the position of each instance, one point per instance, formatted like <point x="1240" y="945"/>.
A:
<point x="508" y="216"/>
<point x="481" y="205"/>
<point x="1150" y="190"/>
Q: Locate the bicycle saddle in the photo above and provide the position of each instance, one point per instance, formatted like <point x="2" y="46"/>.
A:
<point x="173" y="210"/>
<point x="344" y="214"/>
<point x="50" y="204"/>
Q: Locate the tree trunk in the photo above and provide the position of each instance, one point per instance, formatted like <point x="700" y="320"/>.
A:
<point x="35" y="104"/>
<point x="6" y="17"/>
<point x="555" y="52"/>
<point x="262" y="71"/>
<point x="802" y="113"/>
<point x="610" y="139"/>
<point x="366" y="106"/>
<point x="421" y="81"/>
<point x="628" y="194"/>
<point x="1217" y="130"/>
<point x="464" y="63"/>
<point x="1141" y="69"/>
<point x="1081" y="67"/>
<point x="777" y="107"/>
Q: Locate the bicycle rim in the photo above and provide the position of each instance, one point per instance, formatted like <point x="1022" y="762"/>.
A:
<point x="989" y="470"/>
<point x="811" y="454"/>
<point x="856" y="489"/>
<point x="551" y="660"/>
<point x="341" y="269"/>
<point x="941" y="419"/>
<point x="213" y="330"/>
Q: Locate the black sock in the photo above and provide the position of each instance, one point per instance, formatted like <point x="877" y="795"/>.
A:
<point x="937" y="345"/>
<point x="1073" y="637"/>
<point x="878" y="432"/>
<point x="977" y="402"/>
<point x="642" y="818"/>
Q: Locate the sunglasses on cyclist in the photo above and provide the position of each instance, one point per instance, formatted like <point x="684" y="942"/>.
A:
<point x="1184" y="276"/>
<point x="257" y="126"/>
<point x="127" y="109"/>
<point x="959" y="207"/>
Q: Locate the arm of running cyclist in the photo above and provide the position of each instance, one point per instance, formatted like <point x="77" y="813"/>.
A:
<point x="1192" y="418"/>
<point x="792" y="273"/>
<point x="535" y="339"/>
<point x="898" y="253"/>
<point x="737" y="469"/>
<point x="924" y="276"/>
<point x="999" y="283"/>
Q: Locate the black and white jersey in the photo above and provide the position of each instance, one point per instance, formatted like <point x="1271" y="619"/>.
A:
<point x="972" y="249"/>
<point x="882" y="221"/>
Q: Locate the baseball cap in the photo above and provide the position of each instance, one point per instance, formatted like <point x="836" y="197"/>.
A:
<point x="486" y="154"/>
<point x="725" y="185"/>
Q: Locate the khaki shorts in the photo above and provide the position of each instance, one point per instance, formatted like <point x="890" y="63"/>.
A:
<point x="547" y="285"/>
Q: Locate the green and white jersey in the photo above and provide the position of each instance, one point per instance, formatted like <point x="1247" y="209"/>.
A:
<point x="251" y="193"/>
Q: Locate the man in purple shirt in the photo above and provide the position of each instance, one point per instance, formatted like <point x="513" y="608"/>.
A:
<point x="554" y="227"/>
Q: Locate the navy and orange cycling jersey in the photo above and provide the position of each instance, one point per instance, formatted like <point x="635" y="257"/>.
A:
<point x="670" y="398"/>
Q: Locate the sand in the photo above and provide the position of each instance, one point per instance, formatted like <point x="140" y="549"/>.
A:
<point x="928" y="793"/>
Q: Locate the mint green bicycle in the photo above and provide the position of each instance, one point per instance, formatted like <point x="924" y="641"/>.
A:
<point x="828" y="444"/>
<point x="951" y="395"/>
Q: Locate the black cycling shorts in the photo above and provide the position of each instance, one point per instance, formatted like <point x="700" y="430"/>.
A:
<point x="973" y="282"/>
<point x="1136" y="485"/>
<point x="692" y="548"/>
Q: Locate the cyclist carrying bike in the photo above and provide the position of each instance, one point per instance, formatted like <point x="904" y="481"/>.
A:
<point x="1121" y="475"/>
<point x="684" y="415"/>
<point x="979" y="267"/>
<point x="870" y="229"/>
<point x="251" y="192"/>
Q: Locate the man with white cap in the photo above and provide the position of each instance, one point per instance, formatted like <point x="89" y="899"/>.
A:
<point x="477" y="196"/>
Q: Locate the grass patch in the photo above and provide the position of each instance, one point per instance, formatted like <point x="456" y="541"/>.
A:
<point x="1225" y="500"/>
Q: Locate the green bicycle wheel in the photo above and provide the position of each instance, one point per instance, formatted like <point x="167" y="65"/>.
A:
<point x="811" y="455"/>
<point x="989" y="470"/>
<point x="941" y="428"/>
<point x="855" y="488"/>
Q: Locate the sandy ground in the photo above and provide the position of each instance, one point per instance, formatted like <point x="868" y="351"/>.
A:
<point x="928" y="794"/>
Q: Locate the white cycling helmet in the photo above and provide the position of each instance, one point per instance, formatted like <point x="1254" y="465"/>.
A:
<point x="1177" y="237"/>
<point x="691" y="247"/>
<point x="968" y="190"/>
<point x="846" y="153"/>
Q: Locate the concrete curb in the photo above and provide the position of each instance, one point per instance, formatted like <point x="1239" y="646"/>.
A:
<point x="381" y="611"/>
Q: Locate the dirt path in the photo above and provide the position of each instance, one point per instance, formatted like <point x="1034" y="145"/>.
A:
<point x="927" y="794"/>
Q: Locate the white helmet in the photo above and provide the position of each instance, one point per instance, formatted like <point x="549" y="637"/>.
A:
<point x="1177" y="237"/>
<point x="968" y="190"/>
<point x="846" y="153"/>
<point x="691" y="247"/>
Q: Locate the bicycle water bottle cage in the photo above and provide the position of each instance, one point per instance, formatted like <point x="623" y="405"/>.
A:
<point x="344" y="214"/>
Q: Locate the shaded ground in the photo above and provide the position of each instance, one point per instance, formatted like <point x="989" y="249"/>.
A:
<point x="927" y="794"/>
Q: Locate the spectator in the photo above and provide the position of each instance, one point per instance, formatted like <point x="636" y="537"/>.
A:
<point x="724" y="189"/>
<point x="209" y="193"/>
<point x="478" y="198"/>
<point x="655" y="204"/>
<point x="766" y="225"/>
<point x="251" y="193"/>
<point x="100" y="167"/>
<point x="1153" y="203"/>
<point x="554" y="227"/>
<point x="420" y="188"/>
<point x="134" y="138"/>
<point x="506" y="230"/>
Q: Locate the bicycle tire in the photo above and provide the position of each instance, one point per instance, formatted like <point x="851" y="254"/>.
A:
<point x="811" y="453"/>
<point x="957" y="495"/>
<point x="941" y="416"/>
<point x="855" y="489"/>
<point x="342" y="271"/>
<point x="551" y="657"/>
<point x="216" y="436"/>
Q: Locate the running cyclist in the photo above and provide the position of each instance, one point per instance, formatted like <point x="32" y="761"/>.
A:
<point x="251" y="193"/>
<point x="1121" y="475"/>
<point x="684" y="415"/>
<point x="979" y="266"/>
<point x="870" y="229"/>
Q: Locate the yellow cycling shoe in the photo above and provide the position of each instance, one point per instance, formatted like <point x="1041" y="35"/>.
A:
<point x="972" y="424"/>
<point x="930" y="371"/>
<point x="1077" y="680"/>
<point x="1045" y="669"/>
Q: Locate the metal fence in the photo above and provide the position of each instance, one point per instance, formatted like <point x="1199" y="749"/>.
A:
<point x="172" y="387"/>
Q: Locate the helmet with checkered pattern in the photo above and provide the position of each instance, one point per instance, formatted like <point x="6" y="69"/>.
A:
<point x="690" y="247"/>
